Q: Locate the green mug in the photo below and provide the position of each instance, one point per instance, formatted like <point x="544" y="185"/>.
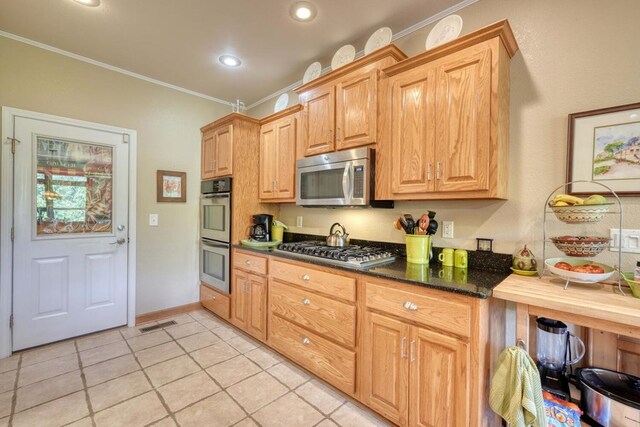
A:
<point x="446" y="257"/>
<point x="460" y="258"/>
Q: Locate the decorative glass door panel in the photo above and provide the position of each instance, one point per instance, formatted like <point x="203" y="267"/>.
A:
<point x="74" y="184"/>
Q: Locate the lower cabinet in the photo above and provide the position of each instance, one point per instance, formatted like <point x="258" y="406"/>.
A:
<point x="250" y="303"/>
<point x="214" y="301"/>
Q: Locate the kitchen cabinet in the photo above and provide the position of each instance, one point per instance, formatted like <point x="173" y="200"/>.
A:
<point x="448" y="128"/>
<point x="340" y="108"/>
<point x="217" y="152"/>
<point x="278" y="142"/>
<point x="214" y="301"/>
<point x="249" y="294"/>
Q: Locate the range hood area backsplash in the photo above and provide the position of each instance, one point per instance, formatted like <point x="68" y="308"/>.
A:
<point x="472" y="218"/>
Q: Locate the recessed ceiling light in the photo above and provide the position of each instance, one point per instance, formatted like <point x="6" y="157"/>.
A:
<point x="92" y="3"/>
<point x="230" y="61"/>
<point x="303" y="11"/>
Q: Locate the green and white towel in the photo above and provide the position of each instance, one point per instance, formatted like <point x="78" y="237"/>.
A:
<point x="516" y="392"/>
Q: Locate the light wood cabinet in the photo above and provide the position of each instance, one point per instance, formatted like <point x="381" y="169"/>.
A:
<point x="448" y="128"/>
<point x="340" y="109"/>
<point x="217" y="152"/>
<point x="214" y="301"/>
<point x="278" y="142"/>
<point x="249" y="294"/>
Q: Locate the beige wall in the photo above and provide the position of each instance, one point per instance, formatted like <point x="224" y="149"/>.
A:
<point x="167" y="122"/>
<point x="575" y="55"/>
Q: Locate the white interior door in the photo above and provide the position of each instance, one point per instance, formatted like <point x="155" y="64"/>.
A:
<point x="71" y="230"/>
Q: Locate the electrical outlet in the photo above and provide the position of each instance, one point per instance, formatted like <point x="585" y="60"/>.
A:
<point x="447" y="229"/>
<point x="153" y="220"/>
<point x="299" y="221"/>
<point x="630" y="240"/>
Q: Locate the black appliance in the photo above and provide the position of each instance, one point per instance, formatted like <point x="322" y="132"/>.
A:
<point x="260" y="231"/>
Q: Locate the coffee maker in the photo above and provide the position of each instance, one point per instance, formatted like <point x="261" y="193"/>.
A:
<point x="261" y="229"/>
<point x="554" y="352"/>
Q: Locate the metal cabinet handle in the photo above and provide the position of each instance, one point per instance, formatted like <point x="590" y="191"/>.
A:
<point x="429" y="171"/>
<point x="246" y="287"/>
<point x="437" y="170"/>
<point x="410" y="306"/>
<point x="213" y="297"/>
<point x="306" y="277"/>
<point x="306" y="301"/>
<point x="338" y="134"/>
<point x="403" y="353"/>
<point x="247" y="262"/>
<point x="306" y="341"/>
<point x="412" y="351"/>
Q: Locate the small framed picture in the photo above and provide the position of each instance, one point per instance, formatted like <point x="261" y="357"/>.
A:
<point x="171" y="186"/>
<point x="604" y="147"/>
<point x="484" y="245"/>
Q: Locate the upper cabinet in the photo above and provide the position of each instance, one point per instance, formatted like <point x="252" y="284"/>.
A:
<point x="447" y="136"/>
<point x="218" y="144"/>
<point x="340" y="108"/>
<point x="278" y="136"/>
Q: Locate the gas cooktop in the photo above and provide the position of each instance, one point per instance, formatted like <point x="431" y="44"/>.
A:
<point x="349" y="256"/>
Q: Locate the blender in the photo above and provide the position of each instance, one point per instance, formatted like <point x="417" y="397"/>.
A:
<point x="554" y="349"/>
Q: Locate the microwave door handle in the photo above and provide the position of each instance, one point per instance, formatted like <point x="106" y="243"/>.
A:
<point x="345" y="182"/>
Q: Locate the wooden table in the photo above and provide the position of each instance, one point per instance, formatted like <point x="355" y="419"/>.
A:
<point x="599" y="306"/>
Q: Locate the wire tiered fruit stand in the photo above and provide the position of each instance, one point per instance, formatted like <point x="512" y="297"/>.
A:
<point x="578" y="248"/>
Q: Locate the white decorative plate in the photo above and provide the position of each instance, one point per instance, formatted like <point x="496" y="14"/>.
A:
<point x="313" y="72"/>
<point x="343" y="56"/>
<point x="281" y="103"/>
<point x="445" y="30"/>
<point x="380" y="38"/>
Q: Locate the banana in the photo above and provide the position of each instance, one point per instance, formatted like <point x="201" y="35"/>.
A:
<point x="568" y="199"/>
<point x="560" y="203"/>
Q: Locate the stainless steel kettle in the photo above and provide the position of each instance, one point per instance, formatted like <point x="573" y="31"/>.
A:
<point x="337" y="238"/>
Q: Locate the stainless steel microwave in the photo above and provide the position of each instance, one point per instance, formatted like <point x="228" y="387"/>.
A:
<point x="343" y="178"/>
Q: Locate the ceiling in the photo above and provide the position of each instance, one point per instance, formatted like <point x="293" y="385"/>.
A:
<point x="179" y="41"/>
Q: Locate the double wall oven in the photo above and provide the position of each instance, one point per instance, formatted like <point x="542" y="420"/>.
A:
<point x="215" y="233"/>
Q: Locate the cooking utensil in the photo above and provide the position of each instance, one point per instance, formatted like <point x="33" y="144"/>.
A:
<point x="608" y="397"/>
<point x="338" y="238"/>
<point x="423" y="224"/>
<point x="411" y="223"/>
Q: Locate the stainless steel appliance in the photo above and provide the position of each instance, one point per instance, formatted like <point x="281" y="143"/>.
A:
<point x="261" y="229"/>
<point x="553" y="350"/>
<point x="348" y="256"/>
<point x="343" y="178"/>
<point x="215" y="233"/>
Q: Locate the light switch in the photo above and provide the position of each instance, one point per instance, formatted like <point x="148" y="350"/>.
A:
<point x="153" y="220"/>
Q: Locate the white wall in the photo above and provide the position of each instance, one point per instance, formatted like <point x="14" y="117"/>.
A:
<point x="575" y="55"/>
<point x="168" y="124"/>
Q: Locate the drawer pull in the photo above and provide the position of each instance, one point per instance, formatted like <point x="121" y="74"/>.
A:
<point x="410" y="306"/>
<point x="403" y="353"/>
<point x="306" y="277"/>
<point x="247" y="262"/>
<point x="213" y="297"/>
<point x="306" y="301"/>
<point x="306" y="341"/>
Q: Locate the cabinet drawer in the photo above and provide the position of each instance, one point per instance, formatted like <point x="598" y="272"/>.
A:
<point x="329" y="361"/>
<point x="214" y="301"/>
<point x="438" y="311"/>
<point x="252" y="263"/>
<point x="332" y="319"/>
<point x="315" y="280"/>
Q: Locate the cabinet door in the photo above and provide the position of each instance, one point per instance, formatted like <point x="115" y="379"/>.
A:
<point x="285" y="169"/>
<point x="413" y="131"/>
<point x="257" y="307"/>
<point x="319" y="121"/>
<point x="268" y="161"/>
<point x="208" y="153"/>
<point x="463" y="124"/>
<point x="439" y="380"/>
<point x="224" y="151"/>
<point x="386" y="376"/>
<point x="356" y="111"/>
<point x="239" y="298"/>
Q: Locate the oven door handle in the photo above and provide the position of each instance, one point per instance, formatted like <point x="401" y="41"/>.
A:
<point x="215" y="245"/>
<point x="215" y="196"/>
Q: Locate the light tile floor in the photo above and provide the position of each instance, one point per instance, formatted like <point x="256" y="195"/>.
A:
<point x="200" y="372"/>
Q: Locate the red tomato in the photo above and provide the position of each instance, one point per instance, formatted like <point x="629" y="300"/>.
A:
<point x="594" y="269"/>
<point x="581" y="269"/>
<point x="563" y="265"/>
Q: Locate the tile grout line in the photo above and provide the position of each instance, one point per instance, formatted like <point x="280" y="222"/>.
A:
<point x="158" y="395"/>
<point x="14" y="398"/>
<point x="84" y="386"/>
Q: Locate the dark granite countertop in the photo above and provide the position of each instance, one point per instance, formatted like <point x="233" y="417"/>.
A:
<point x="476" y="281"/>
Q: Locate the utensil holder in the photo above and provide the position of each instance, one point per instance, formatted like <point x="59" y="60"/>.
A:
<point x="277" y="232"/>
<point x="418" y="248"/>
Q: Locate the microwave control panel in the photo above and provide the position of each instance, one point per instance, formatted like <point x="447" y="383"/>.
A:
<point x="358" y="182"/>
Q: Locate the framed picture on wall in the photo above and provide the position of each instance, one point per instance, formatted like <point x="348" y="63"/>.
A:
<point x="604" y="146"/>
<point x="171" y="186"/>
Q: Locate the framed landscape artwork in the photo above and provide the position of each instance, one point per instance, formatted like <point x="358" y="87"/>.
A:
<point x="604" y="146"/>
<point x="171" y="186"/>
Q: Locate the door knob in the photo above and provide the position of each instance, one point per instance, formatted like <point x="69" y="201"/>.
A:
<point x="120" y="241"/>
